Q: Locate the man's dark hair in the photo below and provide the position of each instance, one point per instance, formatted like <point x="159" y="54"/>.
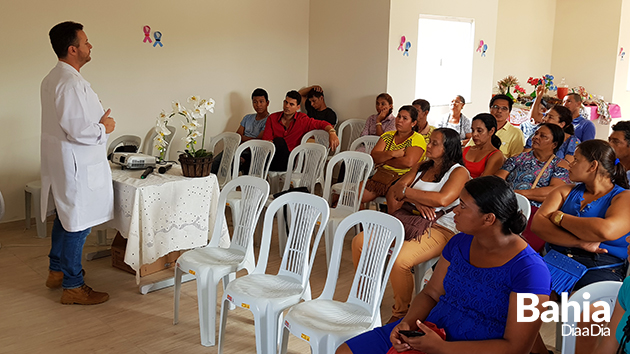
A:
<point x="313" y="93"/>
<point x="260" y="92"/>
<point x="502" y="97"/>
<point x="64" y="35"/>
<point x="576" y="96"/>
<point x="623" y="126"/>
<point x="295" y="95"/>
<point x="424" y="104"/>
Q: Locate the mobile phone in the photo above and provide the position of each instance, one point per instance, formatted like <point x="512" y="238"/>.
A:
<point x="411" y="334"/>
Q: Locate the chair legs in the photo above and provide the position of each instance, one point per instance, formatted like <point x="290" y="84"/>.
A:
<point x="177" y="286"/>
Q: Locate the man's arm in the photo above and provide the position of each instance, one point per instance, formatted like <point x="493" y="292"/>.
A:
<point x="267" y="133"/>
<point x="71" y="106"/>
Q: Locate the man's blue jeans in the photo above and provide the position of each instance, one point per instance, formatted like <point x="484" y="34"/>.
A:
<point x="65" y="254"/>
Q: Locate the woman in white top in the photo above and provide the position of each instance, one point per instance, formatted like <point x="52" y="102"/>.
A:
<point x="438" y="182"/>
<point x="458" y="121"/>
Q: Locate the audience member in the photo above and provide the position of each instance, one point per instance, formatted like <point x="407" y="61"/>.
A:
<point x="383" y="121"/>
<point x="472" y="293"/>
<point x="431" y="186"/>
<point x="395" y="153"/>
<point x="619" y="341"/>
<point x="536" y="173"/>
<point x="287" y="127"/>
<point x="536" y="114"/>
<point x="456" y="120"/>
<point x="512" y="141"/>
<point x="424" y="128"/>
<point x="484" y="157"/>
<point x="584" y="128"/>
<point x="561" y="116"/>
<point x="588" y="222"/>
<point x="251" y="127"/>
<point x="315" y="104"/>
<point x="620" y="141"/>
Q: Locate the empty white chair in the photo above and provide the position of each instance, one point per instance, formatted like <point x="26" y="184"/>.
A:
<point x="601" y="291"/>
<point x="125" y="140"/>
<point x="210" y="264"/>
<point x="306" y="162"/>
<point x="367" y="141"/>
<point x="230" y="141"/>
<point x="32" y="194"/>
<point x="358" y="168"/>
<point x="148" y="147"/>
<point x="349" y="130"/>
<point x="261" y="155"/>
<point x="325" y="323"/>
<point x="266" y="295"/>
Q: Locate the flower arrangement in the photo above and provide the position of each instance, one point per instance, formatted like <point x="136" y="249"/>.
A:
<point x="191" y="124"/>
<point x="505" y="84"/>
<point x="546" y="80"/>
<point x="518" y="89"/>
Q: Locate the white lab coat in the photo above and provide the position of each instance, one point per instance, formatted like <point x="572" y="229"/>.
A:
<point x="74" y="151"/>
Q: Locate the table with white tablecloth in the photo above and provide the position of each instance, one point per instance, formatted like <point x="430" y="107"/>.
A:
<point x="163" y="213"/>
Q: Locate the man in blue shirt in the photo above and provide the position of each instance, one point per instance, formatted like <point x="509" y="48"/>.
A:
<point x="584" y="128"/>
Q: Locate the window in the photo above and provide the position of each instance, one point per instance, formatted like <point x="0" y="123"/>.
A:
<point x="445" y="59"/>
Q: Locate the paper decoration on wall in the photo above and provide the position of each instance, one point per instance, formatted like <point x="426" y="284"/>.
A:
<point x="480" y="46"/>
<point x="407" y="46"/>
<point x="485" y="48"/>
<point x="621" y="53"/>
<point x="158" y="36"/>
<point x="147" y="34"/>
<point x="402" y="42"/>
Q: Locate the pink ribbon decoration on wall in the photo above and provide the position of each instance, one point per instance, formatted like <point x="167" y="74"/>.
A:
<point x="480" y="46"/>
<point x="147" y="34"/>
<point x="402" y="43"/>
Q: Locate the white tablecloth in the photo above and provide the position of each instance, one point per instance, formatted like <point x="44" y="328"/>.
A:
<point x="164" y="213"/>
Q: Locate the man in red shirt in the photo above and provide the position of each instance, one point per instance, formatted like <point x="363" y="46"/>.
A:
<point x="286" y="129"/>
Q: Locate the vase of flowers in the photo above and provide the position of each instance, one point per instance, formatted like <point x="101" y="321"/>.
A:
<point x="196" y="162"/>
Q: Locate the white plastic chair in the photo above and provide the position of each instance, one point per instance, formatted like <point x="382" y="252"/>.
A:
<point x="524" y="205"/>
<point x="230" y="141"/>
<point x="321" y="137"/>
<point x="367" y="141"/>
<point x="306" y="163"/>
<point x="355" y="127"/>
<point x="601" y="291"/>
<point x="210" y="264"/>
<point x="325" y="323"/>
<point x="261" y="155"/>
<point x="358" y="168"/>
<point x="125" y="140"/>
<point x="148" y="147"/>
<point x="266" y="295"/>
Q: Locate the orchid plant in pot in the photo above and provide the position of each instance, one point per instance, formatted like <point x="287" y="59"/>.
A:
<point x="195" y="161"/>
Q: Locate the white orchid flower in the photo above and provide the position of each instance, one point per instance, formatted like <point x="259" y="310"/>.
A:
<point x="164" y="130"/>
<point x="177" y="107"/>
<point x="195" y="134"/>
<point x="194" y="99"/>
<point x="197" y="113"/>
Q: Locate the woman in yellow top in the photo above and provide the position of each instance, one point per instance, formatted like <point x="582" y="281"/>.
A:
<point x="396" y="151"/>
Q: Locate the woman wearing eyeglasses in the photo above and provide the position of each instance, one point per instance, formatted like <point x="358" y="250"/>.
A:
<point x="456" y="120"/>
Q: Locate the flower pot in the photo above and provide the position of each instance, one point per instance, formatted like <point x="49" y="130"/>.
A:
<point x="195" y="166"/>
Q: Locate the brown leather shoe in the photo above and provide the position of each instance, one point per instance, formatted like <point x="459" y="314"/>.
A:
<point x="83" y="295"/>
<point x="55" y="278"/>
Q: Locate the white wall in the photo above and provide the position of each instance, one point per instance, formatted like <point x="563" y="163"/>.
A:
<point x="524" y="40"/>
<point x="402" y="69"/>
<point x="620" y="94"/>
<point x="218" y="49"/>
<point x="348" y="53"/>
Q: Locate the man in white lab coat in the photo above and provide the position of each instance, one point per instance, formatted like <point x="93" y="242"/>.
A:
<point x="73" y="162"/>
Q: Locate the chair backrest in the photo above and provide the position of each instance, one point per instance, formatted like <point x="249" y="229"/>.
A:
<point x="306" y="162"/>
<point x="305" y="211"/>
<point x="524" y="205"/>
<point x="321" y="137"/>
<point x="231" y="141"/>
<point x="149" y="146"/>
<point x="254" y="194"/>
<point x="358" y="168"/>
<point x="601" y="291"/>
<point x="368" y="141"/>
<point x="262" y="153"/>
<point x="349" y="130"/>
<point x="125" y="140"/>
<point x="380" y="230"/>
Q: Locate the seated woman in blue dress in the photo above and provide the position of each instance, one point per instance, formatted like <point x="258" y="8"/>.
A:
<point x="472" y="294"/>
<point x="589" y="221"/>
